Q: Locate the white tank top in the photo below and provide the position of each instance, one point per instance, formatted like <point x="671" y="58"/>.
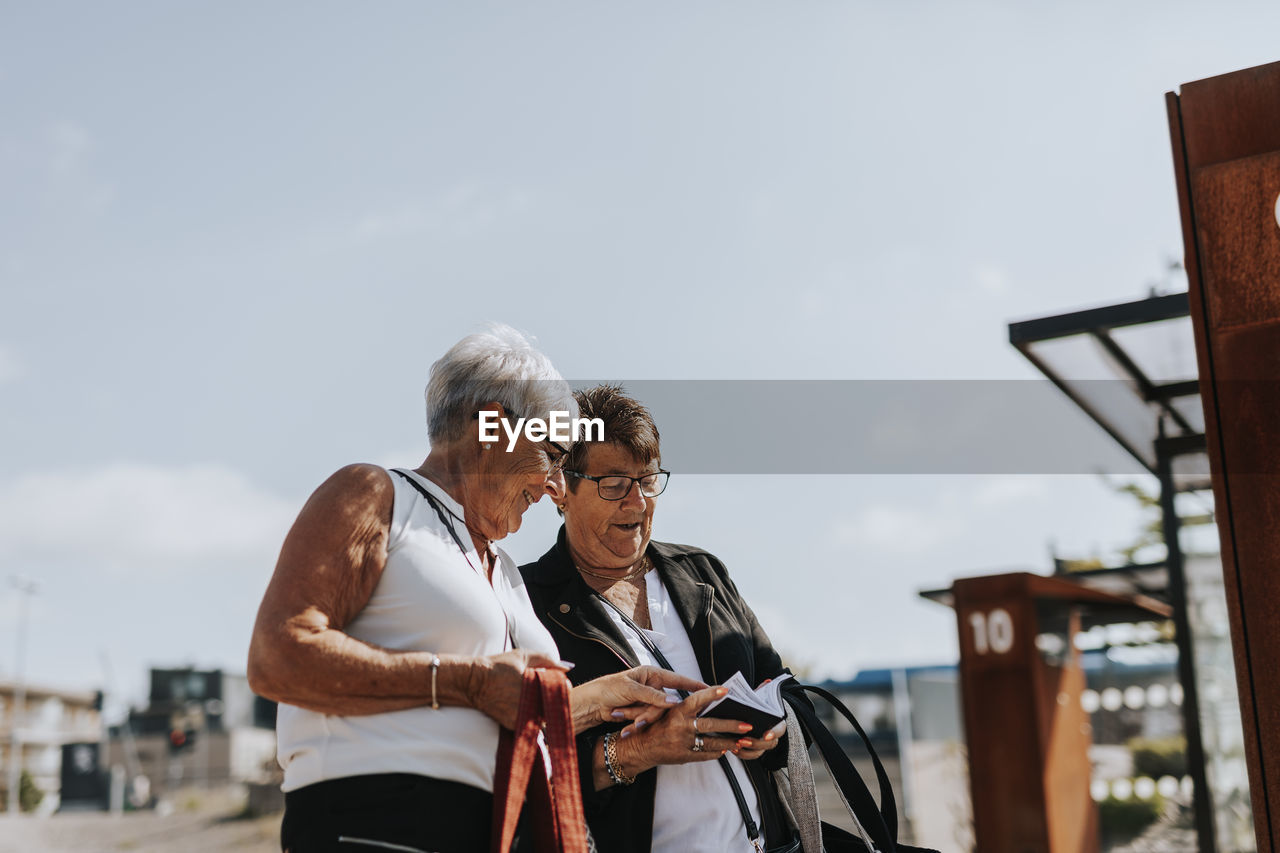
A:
<point x="430" y="599"/>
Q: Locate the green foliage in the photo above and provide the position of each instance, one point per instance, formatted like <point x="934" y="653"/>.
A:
<point x="29" y="796"/>
<point x="1125" y="819"/>
<point x="1084" y="565"/>
<point x="1152" y="530"/>
<point x="1156" y="757"/>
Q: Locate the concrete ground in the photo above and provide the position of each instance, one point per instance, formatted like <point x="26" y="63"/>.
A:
<point x="196" y="822"/>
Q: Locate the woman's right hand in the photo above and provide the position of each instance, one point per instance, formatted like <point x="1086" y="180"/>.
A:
<point x="635" y="694"/>
<point x="495" y="682"/>
<point x="671" y="740"/>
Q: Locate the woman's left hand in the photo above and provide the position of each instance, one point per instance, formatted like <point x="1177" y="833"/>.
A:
<point x="748" y="749"/>
<point x="631" y="695"/>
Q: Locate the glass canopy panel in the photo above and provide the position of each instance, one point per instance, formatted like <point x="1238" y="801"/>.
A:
<point x="1191" y="409"/>
<point x="1150" y="579"/>
<point x="1075" y="358"/>
<point x="1091" y="377"/>
<point x="1165" y="351"/>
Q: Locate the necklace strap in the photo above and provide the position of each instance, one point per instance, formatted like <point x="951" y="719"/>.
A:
<point x="440" y="508"/>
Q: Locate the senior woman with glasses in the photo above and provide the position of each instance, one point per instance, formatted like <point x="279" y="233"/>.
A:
<point x="610" y="597"/>
<point x="395" y="634"/>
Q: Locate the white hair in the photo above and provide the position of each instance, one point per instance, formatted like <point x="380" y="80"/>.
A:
<point x="498" y="365"/>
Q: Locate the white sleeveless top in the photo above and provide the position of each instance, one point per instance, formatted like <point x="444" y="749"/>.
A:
<point x="428" y="599"/>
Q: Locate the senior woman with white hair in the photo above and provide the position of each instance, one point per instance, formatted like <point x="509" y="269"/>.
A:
<point x="395" y="634"/>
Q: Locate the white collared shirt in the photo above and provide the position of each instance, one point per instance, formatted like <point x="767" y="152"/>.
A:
<point x="694" y="810"/>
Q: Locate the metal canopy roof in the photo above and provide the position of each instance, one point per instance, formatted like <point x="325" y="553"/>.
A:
<point x="1146" y="579"/>
<point x="1132" y="368"/>
<point x="1055" y="595"/>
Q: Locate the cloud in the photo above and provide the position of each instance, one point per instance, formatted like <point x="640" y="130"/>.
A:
<point x="941" y="516"/>
<point x="133" y="519"/>
<point x="404" y="457"/>
<point x="894" y="530"/>
<point x="990" y="279"/>
<point x="65" y="151"/>
<point x="10" y="367"/>
<point x="463" y="211"/>
<point x="997" y="491"/>
<point x="69" y="147"/>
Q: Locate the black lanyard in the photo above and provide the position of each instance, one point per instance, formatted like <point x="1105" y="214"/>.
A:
<point x="443" y="513"/>
<point x="440" y="511"/>
<point x="753" y="831"/>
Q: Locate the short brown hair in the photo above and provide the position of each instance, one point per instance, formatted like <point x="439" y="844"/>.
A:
<point x="627" y="423"/>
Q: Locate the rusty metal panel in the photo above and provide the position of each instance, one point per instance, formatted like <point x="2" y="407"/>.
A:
<point x="1232" y="116"/>
<point x="1235" y="206"/>
<point x="1073" y="818"/>
<point x="1225" y="133"/>
<point x="1001" y="727"/>
<point x="1250" y="413"/>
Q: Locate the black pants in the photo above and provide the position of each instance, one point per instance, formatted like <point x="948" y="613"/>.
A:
<point x="366" y="814"/>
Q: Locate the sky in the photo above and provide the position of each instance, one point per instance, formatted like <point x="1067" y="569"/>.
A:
<point x="234" y="237"/>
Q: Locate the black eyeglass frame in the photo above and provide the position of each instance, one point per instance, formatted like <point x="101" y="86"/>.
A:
<point x="559" y="462"/>
<point x="664" y="473"/>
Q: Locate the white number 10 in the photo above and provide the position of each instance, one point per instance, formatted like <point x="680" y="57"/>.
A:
<point x="992" y="632"/>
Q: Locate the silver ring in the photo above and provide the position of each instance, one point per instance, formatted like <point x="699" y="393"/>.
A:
<point x="697" y="743"/>
<point x="695" y="725"/>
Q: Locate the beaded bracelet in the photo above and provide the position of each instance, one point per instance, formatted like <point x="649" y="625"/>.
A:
<point x="611" y="764"/>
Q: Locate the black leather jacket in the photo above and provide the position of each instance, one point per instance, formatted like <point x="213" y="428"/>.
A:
<point x="726" y="638"/>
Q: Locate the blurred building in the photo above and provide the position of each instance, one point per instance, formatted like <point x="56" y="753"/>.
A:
<point x="49" y="719"/>
<point x="200" y="727"/>
<point x="913" y="719"/>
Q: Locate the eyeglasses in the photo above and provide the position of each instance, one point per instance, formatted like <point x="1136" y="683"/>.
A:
<point x="558" y="462"/>
<point x="615" y="487"/>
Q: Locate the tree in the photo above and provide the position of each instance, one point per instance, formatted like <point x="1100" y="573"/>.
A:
<point x="1150" y="533"/>
<point x="29" y="796"/>
<point x="1152" y="530"/>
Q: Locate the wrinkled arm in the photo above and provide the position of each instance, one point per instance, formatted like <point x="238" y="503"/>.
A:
<point x="329" y="566"/>
<point x="330" y="563"/>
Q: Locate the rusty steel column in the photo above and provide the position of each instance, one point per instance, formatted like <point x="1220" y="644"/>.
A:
<point x="1000" y="686"/>
<point x="1225" y="133"/>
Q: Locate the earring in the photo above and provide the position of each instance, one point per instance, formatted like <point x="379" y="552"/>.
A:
<point x="560" y="507"/>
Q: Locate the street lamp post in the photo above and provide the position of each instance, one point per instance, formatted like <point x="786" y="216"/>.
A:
<point x="26" y="588"/>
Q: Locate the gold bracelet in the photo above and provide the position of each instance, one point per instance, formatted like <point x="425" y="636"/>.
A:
<point x="611" y="765"/>
<point x="435" y="669"/>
